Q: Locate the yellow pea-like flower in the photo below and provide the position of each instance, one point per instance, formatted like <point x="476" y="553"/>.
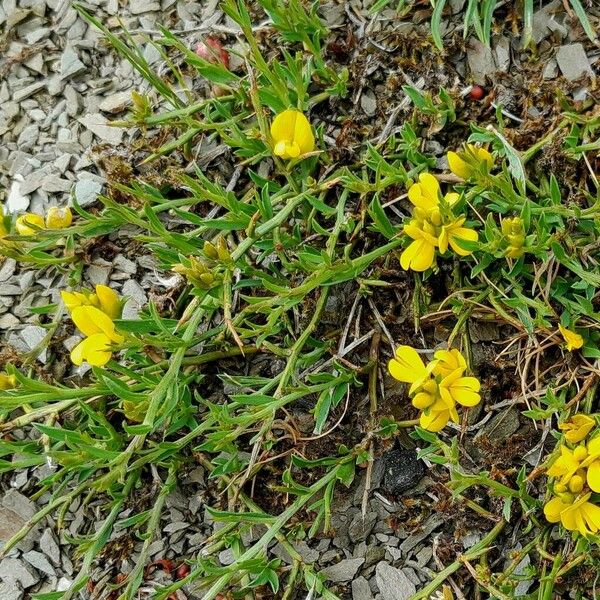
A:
<point x="292" y="134"/>
<point x="7" y="382"/>
<point x="104" y="298"/>
<point x="91" y="320"/>
<point x="573" y="340"/>
<point x="29" y="224"/>
<point x="95" y="350"/>
<point x="467" y="163"/>
<point x="58" y="217"/>
<point x="101" y="335"/>
<point x="577" y="428"/>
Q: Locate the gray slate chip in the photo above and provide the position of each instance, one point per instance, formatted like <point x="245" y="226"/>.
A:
<point x="345" y="570"/>
<point x="573" y="61"/>
<point x="393" y="583"/>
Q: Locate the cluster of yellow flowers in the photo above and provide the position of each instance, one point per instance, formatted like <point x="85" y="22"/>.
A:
<point x="56" y="218"/>
<point x="437" y="388"/>
<point x="576" y="473"/>
<point x="30" y="223"/>
<point x="433" y="225"/>
<point x="94" y="315"/>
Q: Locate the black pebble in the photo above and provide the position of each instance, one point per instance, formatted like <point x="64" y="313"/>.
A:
<point x="402" y="470"/>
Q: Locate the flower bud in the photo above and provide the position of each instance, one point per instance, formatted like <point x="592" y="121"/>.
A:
<point x="212" y="51"/>
<point x="29" y="224"/>
<point x="58" y="217"/>
<point x="580" y="453"/>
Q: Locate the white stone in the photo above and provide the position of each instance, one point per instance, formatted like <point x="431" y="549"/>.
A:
<point x="87" y="191"/>
<point x="16" y="201"/>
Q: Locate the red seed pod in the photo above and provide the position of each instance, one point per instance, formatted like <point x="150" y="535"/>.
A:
<point x="477" y="92"/>
<point x="212" y="51"/>
<point x="183" y="570"/>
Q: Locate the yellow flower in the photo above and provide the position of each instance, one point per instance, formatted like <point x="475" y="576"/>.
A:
<point x="470" y="161"/>
<point x="572" y="339"/>
<point x="568" y="463"/>
<point x="513" y="230"/>
<point x="407" y="366"/>
<point x="592" y="463"/>
<point x="455" y="388"/>
<point x="575" y="514"/>
<point x="454" y="233"/>
<point x="105" y="298"/>
<point x="29" y="224"/>
<point x="577" y="427"/>
<point x="7" y="382"/>
<point x="419" y="255"/>
<point x="109" y="301"/>
<point x="435" y="418"/>
<point x="437" y="387"/>
<point x="426" y="193"/>
<point x="96" y="348"/>
<point x="448" y="361"/>
<point x="58" y="218"/>
<point x="427" y="395"/>
<point x="292" y="134"/>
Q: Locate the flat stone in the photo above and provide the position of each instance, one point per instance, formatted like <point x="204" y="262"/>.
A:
<point x="87" y="191"/>
<point x="393" y="583"/>
<point x="49" y="546"/>
<point x="8" y="321"/>
<point x="573" y="62"/>
<point x="70" y="65"/>
<point x="115" y="103"/>
<point x="361" y="590"/>
<point x="53" y="184"/>
<point x="138" y="7"/>
<point x="32" y="335"/>
<point x="18" y="571"/>
<point x="481" y="61"/>
<point x="368" y="102"/>
<point x="501" y="427"/>
<point x="39" y="562"/>
<point x="345" y="570"/>
<point x="18" y="503"/>
<point x="28" y="91"/>
<point x="10" y="590"/>
<point x="8" y="268"/>
<point x="360" y="528"/>
<point x="98" y="274"/>
<point x="541" y="19"/>
<point x="137" y="299"/>
<point x="10" y="523"/>
<point x="99" y="126"/>
<point x="502" y="51"/>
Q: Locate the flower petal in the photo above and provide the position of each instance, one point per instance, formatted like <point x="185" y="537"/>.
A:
<point x="90" y="320"/>
<point x="94" y="349"/>
<point x="110" y="303"/>
<point x="593" y="476"/>
<point x="434" y="421"/>
<point x="458" y="166"/>
<point x="430" y="189"/>
<point x="407" y="365"/>
<point x="462" y="233"/>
